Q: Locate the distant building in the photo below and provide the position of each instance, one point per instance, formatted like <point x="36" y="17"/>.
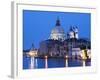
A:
<point x="31" y="52"/>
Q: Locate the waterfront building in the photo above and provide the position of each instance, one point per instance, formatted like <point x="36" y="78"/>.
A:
<point x="78" y="44"/>
<point x="60" y="45"/>
<point x="31" y="52"/>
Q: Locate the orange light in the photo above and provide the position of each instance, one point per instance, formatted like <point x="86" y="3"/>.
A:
<point x="46" y="57"/>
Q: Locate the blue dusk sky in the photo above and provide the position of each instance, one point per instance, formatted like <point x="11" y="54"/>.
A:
<point x="37" y="25"/>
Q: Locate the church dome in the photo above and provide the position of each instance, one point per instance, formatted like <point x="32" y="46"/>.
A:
<point x="57" y="32"/>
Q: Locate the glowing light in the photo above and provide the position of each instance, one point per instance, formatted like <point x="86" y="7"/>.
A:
<point x="46" y="61"/>
<point x="83" y="55"/>
<point x="33" y="53"/>
<point x="66" y="61"/>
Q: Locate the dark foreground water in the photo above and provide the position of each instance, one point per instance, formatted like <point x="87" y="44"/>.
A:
<point x="52" y="63"/>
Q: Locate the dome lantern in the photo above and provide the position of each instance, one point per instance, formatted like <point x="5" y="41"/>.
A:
<point x="58" y="22"/>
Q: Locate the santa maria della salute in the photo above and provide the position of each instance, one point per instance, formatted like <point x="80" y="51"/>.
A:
<point x="60" y="45"/>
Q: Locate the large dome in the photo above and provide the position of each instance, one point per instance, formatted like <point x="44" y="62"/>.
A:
<point x="57" y="32"/>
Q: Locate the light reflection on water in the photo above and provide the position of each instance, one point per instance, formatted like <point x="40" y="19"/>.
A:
<point x="52" y="63"/>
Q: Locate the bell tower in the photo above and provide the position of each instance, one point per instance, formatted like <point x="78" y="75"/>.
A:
<point x="76" y="32"/>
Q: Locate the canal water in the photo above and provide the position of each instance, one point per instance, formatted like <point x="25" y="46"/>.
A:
<point x="38" y="63"/>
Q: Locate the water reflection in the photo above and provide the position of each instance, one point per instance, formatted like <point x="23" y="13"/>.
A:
<point x="30" y="63"/>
